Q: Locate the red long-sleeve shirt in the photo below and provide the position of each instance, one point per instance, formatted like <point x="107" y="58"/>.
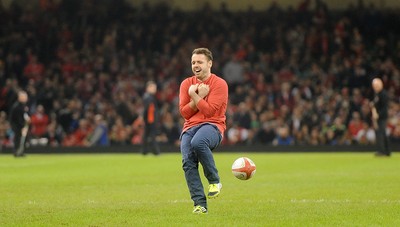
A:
<point x="211" y="109"/>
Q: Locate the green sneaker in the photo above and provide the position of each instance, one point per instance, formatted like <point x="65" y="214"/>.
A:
<point x="214" y="190"/>
<point x="199" y="210"/>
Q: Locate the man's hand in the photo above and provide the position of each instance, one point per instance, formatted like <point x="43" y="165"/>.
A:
<point x="203" y="90"/>
<point x="371" y="105"/>
<point x="27" y="118"/>
<point x="197" y="92"/>
<point x="24" y="131"/>
<point x="375" y="114"/>
<point x="193" y="89"/>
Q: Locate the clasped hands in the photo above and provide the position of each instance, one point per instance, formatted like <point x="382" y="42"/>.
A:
<point x="201" y="90"/>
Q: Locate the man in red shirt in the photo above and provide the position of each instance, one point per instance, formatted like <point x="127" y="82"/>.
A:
<point x="203" y="99"/>
<point x="39" y="122"/>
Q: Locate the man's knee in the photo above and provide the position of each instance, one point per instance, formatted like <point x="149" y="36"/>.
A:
<point x="188" y="164"/>
<point x="198" y="143"/>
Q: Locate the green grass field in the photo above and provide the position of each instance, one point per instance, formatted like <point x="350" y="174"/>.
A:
<point x="289" y="189"/>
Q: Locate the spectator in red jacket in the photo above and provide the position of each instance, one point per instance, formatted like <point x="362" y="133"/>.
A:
<point x="355" y="125"/>
<point x="34" y="69"/>
<point x="39" y="122"/>
<point x="80" y="135"/>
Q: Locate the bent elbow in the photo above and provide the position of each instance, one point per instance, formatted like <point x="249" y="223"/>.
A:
<point x="209" y="114"/>
<point x="184" y="114"/>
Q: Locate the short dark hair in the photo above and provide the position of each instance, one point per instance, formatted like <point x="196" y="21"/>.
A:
<point x="204" y="51"/>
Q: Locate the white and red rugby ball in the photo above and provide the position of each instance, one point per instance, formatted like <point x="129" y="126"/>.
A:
<point x="243" y="168"/>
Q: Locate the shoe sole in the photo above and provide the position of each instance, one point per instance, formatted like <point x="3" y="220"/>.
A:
<point x="199" y="213"/>
<point x="213" y="196"/>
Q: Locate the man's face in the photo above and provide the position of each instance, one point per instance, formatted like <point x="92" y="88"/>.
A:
<point x="201" y="66"/>
<point x="23" y="97"/>
<point x="377" y="85"/>
<point x="152" y="89"/>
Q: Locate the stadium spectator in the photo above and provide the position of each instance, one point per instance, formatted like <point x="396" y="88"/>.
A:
<point x="366" y="135"/>
<point x="330" y="138"/>
<point x="266" y="134"/>
<point x="237" y="134"/>
<point x="65" y="116"/>
<point x="99" y="135"/>
<point x="340" y="131"/>
<point x="80" y="136"/>
<point x="119" y="134"/>
<point x="39" y="122"/>
<point x="5" y="131"/>
<point x="302" y="136"/>
<point x="355" y="126"/>
<point x="395" y="135"/>
<point x="34" y="70"/>
<point x="242" y="116"/>
<point x="170" y="130"/>
<point x="8" y="94"/>
<point x="54" y="135"/>
<point x="47" y="94"/>
<point x="233" y="71"/>
<point x="283" y="136"/>
<point x="316" y="138"/>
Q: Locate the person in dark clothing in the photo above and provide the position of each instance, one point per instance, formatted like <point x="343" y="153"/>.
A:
<point x="19" y="120"/>
<point x="150" y="119"/>
<point x="379" y="117"/>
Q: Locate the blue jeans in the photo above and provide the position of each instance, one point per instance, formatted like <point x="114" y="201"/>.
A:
<point x="196" y="145"/>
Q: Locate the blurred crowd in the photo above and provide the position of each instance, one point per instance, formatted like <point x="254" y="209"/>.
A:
<point x="299" y="75"/>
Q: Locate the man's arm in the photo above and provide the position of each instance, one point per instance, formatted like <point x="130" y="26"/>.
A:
<point x="375" y="117"/>
<point x="187" y="107"/>
<point x="20" y="117"/>
<point x="217" y="97"/>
